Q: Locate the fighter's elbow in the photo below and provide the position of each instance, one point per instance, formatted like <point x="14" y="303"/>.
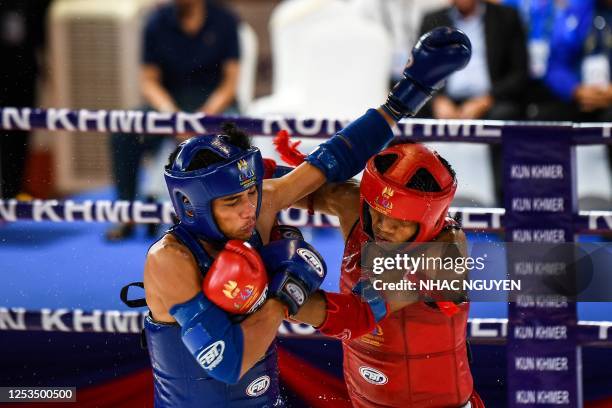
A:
<point x="222" y="361"/>
<point x="215" y="343"/>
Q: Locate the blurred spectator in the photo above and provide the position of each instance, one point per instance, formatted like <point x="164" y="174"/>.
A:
<point x="594" y="94"/>
<point x="539" y="17"/>
<point x="556" y="39"/>
<point x="580" y="60"/>
<point x="22" y="35"/>
<point x="492" y="85"/>
<point x="401" y="18"/>
<point x="190" y="63"/>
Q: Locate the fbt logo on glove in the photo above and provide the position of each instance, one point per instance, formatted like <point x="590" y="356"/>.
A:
<point x="212" y="355"/>
<point x="312" y="259"/>
<point x="373" y="376"/>
<point x="258" y="386"/>
<point x="296" y="293"/>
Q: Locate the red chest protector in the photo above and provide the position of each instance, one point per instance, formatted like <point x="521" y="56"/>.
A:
<point x="416" y="358"/>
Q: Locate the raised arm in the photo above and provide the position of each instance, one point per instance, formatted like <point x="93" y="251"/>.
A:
<point x="335" y="160"/>
<point x="338" y="199"/>
<point x="437" y="54"/>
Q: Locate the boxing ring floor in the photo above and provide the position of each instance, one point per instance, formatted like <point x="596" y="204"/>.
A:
<point x="70" y="266"/>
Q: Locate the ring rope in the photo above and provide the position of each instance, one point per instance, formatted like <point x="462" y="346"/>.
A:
<point x="472" y="218"/>
<point x="480" y="330"/>
<point x="152" y="122"/>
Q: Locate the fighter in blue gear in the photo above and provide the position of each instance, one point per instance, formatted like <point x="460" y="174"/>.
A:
<point x="201" y="354"/>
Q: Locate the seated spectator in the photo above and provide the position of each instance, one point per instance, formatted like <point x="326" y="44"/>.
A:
<point x="590" y="85"/>
<point x="492" y="85"/>
<point x="551" y="84"/>
<point x="190" y="63"/>
<point x="537" y="16"/>
<point x="597" y="67"/>
<point x="581" y="61"/>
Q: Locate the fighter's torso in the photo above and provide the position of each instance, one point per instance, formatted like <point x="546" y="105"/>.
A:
<point x="416" y="358"/>
<point x="179" y="381"/>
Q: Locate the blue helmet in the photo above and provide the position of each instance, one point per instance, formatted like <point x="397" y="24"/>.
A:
<point x="240" y="170"/>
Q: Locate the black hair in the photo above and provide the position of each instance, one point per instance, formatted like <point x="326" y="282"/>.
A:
<point x="204" y="158"/>
<point x="236" y="136"/>
<point x="422" y="180"/>
<point x="382" y="162"/>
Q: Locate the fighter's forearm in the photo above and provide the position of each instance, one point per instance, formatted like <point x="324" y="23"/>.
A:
<point x="313" y="312"/>
<point x="324" y="199"/>
<point x="343" y="315"/>
<point x="390" y="121"/>
<point x="337" y="159"/>
<point x="259" y="330"/>
<point x="296" y="185"/>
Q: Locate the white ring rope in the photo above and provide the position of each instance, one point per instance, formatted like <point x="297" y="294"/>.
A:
<point x="472" y="218"/>
<point x="151" y="122"/>
<point x="480" y="330"/>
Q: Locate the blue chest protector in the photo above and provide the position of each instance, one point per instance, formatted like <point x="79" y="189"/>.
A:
<point x="178" y="379"/>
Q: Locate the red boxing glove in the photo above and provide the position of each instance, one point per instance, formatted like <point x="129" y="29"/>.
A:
<point x="237" y="281"/>
<point x="347" y="316"/>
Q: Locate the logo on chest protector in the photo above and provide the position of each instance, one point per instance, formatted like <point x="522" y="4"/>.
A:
<point x="312" y="260"/>
<point x="212" y="355"/>
<point x="372" y="375"/>
<point x="258" y="386"/>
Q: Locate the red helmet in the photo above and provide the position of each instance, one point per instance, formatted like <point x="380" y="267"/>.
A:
<point x="393" y="193"/>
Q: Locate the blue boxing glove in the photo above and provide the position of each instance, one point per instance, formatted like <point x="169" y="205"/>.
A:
<point x="283" y="231"/>
<point x="436" y="55"/>
<point x="296" y="271"/>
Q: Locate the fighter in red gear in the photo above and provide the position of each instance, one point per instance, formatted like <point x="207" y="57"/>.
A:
<point x="216" y="185"/>
<point x="417" y="354"/>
